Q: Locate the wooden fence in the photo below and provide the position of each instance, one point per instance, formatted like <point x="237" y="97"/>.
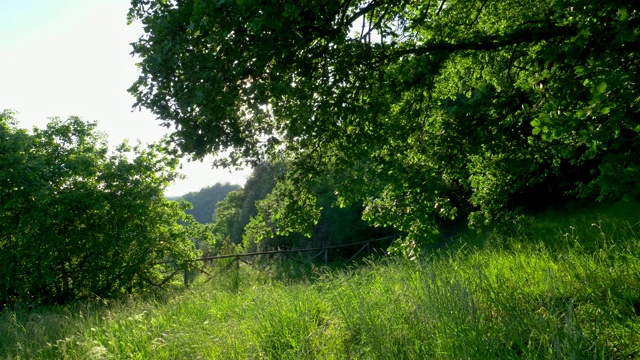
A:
<point x="365" y="246"/>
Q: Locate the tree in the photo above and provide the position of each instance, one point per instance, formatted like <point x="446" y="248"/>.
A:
<point x="77" y="221"/>
<point x="252" y="217"/>
<point x="318" y="220"/>
<point x="227" y="228"/>
<point x="236" y="210"/>
<point x="204" y="201"/>
<point x="422" y="110"/>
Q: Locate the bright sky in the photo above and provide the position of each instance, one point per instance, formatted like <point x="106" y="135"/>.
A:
<point x="72" y="57"/>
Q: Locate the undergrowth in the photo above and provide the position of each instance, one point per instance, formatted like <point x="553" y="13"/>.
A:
<point x="563" y="286"/>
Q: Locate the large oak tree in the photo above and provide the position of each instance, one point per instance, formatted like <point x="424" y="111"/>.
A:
<point x="422" y="109"/>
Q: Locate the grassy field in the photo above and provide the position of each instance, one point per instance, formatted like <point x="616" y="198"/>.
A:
<point x="565" y="286"/>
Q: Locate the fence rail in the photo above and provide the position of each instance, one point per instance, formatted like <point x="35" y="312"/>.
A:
<point x="237" y="258"/>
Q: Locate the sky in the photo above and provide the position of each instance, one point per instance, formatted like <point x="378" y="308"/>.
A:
<point x="73" y="57"/>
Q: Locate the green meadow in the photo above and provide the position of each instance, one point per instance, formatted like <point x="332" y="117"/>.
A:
<point x="560" y="285"/>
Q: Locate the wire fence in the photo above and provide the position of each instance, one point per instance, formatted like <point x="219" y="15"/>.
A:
<point x="365" y="247"/>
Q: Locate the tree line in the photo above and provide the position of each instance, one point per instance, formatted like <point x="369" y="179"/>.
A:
<point x="237" y="218"/>
<point x="81" y="221"/>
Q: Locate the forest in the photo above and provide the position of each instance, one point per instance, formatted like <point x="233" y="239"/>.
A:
<point x="440" y="122"/>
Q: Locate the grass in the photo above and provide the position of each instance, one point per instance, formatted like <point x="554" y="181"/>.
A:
<point x="565" y="286"/>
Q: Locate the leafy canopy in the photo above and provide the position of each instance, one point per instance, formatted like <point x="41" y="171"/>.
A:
<point x="422" y="110"/>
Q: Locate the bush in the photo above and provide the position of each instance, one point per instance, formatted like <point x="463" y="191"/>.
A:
<point x="77" y="221"/>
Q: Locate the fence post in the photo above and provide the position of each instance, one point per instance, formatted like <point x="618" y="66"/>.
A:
<point x="368" y="247"/>
<point x="238" y="267"/>
<point x="326" y="257"/>
<point x="186" y="276"/>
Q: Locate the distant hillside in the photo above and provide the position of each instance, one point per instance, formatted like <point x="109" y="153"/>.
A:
<point x="204" y="201"/>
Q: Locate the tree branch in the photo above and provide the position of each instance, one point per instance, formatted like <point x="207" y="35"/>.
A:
<point x="493" y="42"/>
<point x="478" y="13"/>
<point x="372" y="5"/>
<point x="344" y="8"/>
<point x="440" y="8"/>
<point x="511" y="59"/>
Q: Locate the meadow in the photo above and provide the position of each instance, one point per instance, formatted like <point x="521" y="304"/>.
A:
<point x="563" y="284"/>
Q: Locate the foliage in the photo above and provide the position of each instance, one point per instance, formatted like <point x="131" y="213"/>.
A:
<point x="563" y="288"/>
<point x="227" y="228"/>
<point x="255" y="216"/>
<point x="273" y="218"/>
<point x="318" y="222"/>
<point x="423" y="111"/>
<point x="204" y="201"/>
<point x="77" y="221"/>
<point x="234" y="212"/>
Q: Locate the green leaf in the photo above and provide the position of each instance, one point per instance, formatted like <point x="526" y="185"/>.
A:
<point x="623" y="14"/>
<point x="581" y="114"/>
<point x="544" y="118"/>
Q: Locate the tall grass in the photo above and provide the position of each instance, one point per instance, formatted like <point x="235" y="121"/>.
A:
<point x="565" y="286"/>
